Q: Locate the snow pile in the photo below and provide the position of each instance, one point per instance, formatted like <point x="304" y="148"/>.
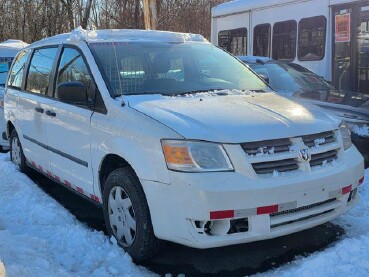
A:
<point x="362" y="130"/>
<point x="38" y="237"/>
<point x="224" y="92"/>
<point x="12" y="44"/>
<point x="133" y="35"/>
<point x="319" y="142"/>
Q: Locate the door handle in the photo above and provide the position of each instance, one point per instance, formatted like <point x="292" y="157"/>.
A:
<point x="39" y="110"/>
<point x="50" y="113"/>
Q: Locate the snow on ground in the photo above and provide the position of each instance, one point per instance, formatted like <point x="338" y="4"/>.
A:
<point x="38" y="237"/>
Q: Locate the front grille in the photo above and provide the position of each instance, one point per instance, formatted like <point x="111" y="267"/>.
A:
<point x="301" y="219"/>
<point x="278" y="219"/>
<point x="304" y="208"/>
<point x="319" y="139"/>
<point x="322" y="158"/>
<point x="266" y="146"/>
<point x="279" y="166"/>
<point x="283" y="155"/>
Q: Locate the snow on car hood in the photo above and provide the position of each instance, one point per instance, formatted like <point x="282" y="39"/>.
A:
<point x="234" y="118"/>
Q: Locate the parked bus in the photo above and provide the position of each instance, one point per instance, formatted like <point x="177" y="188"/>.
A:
<point x="329" y="37"/>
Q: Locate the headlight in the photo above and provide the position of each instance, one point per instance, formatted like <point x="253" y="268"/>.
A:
<point x="194" y="156"/>
<point x="346" y="135"/>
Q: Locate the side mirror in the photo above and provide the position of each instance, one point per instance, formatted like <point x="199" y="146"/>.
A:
<point x="73" y="93"/>
<point x="264" y="77"/>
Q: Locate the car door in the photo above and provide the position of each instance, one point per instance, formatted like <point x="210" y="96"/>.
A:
<point x="31" y="106"/>
<point x="68" y="125"/>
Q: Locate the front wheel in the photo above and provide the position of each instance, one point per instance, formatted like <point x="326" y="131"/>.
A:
<point x="16" y="153"/>
<point x="127" y="215"/>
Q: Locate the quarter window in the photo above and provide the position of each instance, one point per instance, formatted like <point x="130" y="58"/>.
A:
<point x="72" y="68"/>
<point x="40" y="70"/>
<point x="262" y="34"/>
<point x="234" y="41"/>
<point x="17" y="71"/>
<point x="312" y="33"/>
<point x="284" y="40"/>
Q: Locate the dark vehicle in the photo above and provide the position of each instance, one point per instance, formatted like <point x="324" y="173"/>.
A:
<point x="296" y="81"/>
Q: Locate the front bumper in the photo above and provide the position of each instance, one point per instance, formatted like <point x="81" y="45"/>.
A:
<point x="181" y="212"/>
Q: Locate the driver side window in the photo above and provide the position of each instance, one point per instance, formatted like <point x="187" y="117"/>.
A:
<point x="72" y="68"/>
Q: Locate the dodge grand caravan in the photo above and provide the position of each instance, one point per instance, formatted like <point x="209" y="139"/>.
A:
<point x="176" y="140"/>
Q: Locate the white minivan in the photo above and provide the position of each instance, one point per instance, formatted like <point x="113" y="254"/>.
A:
<point x="176" y="140"/>
<point x="8" y="50"/>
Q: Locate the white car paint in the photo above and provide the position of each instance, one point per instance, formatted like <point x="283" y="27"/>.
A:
<point x="181" y="203"/>
<point x="228" y="119"/>
<point x="8" y="49"/>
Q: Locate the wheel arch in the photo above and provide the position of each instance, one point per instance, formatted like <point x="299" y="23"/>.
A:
<point x="9" y="128"/>
<point x="109" y="163"/>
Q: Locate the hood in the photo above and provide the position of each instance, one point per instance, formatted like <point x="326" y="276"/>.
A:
<point x="234" y="118"/>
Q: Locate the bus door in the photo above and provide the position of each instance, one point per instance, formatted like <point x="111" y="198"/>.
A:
<point x="351" y="47"/>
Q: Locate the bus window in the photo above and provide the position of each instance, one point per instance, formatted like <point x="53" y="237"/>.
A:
<point x="262" y="40"/>
<point x="234" y="41"/>
<point x="363" y="46"/>
<point x="284" y="40"/>
<point x="312" y="32"/>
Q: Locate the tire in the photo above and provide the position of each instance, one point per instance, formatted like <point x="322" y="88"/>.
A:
<point x="16" y="153"/>
<point x="123" y="201"/>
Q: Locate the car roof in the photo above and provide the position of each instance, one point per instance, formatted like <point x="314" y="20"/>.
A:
<point x="119" y="35"/>
<point x="10" y="47"/>
<point x="255" y="59"/>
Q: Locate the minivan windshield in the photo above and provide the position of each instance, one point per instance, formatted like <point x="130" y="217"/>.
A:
<point x="132" y="68"/>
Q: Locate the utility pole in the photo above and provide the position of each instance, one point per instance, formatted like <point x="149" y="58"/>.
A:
<point x="150" y="14"/>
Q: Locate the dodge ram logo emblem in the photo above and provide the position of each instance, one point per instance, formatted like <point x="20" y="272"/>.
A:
<point x="305" y="155"/>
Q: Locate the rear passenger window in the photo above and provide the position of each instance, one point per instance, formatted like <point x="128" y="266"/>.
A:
<point x="312" y="33"/>
<point x="72" y="68"/>
<point x="284" y="40"/>
<point x="262" y="35"/>
<point x="40" y="70"/>
<point x="17" y="71"/>
<point x="234" y="41"/>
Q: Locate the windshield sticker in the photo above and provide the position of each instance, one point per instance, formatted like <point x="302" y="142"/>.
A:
<point x="343" y="28"/>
